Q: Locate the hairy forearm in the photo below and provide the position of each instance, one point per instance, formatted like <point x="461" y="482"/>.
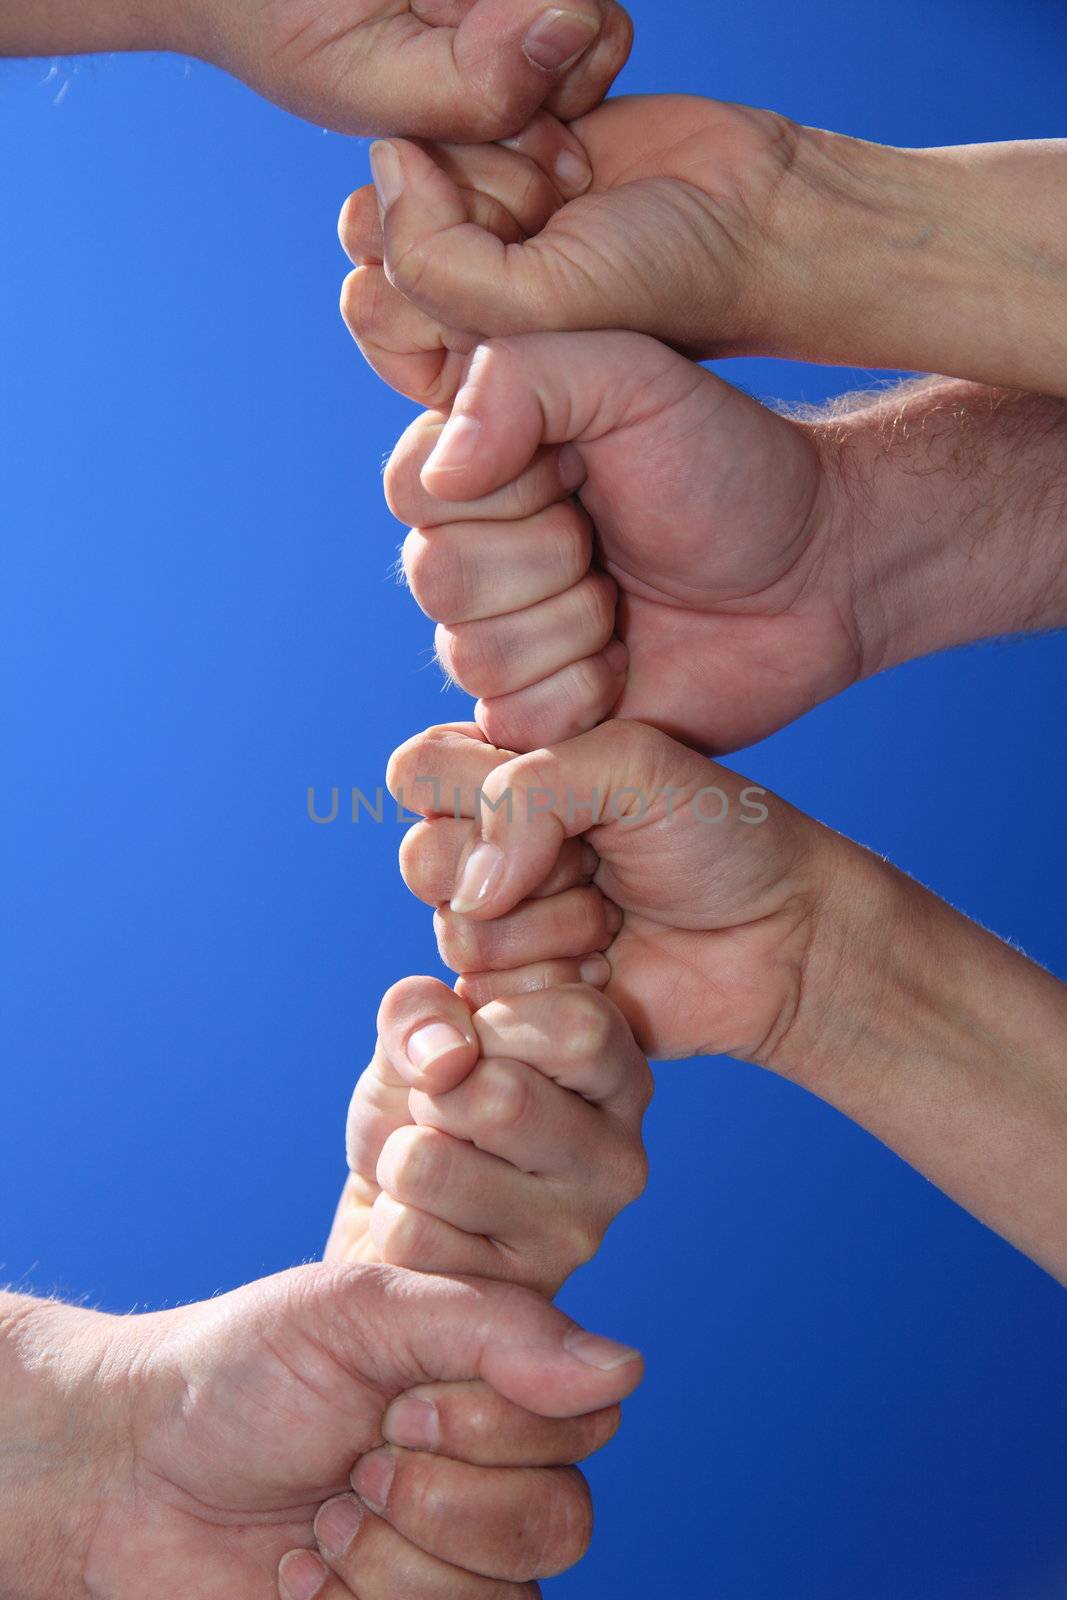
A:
<point x="56" y="1433"/>
<point x="78" y="27"/>
<point x="949" y="260"/>
<point x="945" y="1043"/>
<point x="952" y="499"/>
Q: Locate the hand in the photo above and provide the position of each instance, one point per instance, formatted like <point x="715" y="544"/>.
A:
<point x="202" y="1441"/>
<point x="719" y="886"/>
<point x="749" y="930"/>
<point x="668" y="240"/>
<point x="443" y="69"/>
<point x="724" y="600"/>
<point x="457" y="69"/>
<point x="725" y="231"/>
<point x="502" y="1143"/>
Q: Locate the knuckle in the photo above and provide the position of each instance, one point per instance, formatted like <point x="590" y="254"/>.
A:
<point x="414" y="1162"/>
<point x="403" y="1237"/>
<point x="438" y="574"/>
<point x="633" y="1176"/>
<point x="500" y="1096"/>
<point x="561" y="1526"/>
<point x="586" y="1023"/>
<point x="477" y="655"/>
<point x="596" y="597"/>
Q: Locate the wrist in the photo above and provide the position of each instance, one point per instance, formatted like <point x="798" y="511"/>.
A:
<point x="60" y="1430"/>
<point x="943" y="487"/>
<point x="70" y="27"/>
<point x="950" y="260"/>
<point x="941" y="1040"/>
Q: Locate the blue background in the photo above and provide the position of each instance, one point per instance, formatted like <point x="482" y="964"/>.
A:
<point x="855" y="1393"/>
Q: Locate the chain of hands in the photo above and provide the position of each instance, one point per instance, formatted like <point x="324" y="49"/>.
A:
<point x="633" y="567"/>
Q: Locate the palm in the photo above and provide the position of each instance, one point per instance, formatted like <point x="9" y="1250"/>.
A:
<point x="711" y="516"/>
<point x="246" y="1422"/>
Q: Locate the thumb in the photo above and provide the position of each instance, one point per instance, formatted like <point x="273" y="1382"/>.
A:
<point x="619" y="772"/>
<point x="549" y="388"/>
<point x="478" y="70"/>
<point x="413" y="1328"/>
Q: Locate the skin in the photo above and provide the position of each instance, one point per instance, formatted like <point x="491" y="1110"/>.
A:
<point x="451" y="69"/>
<point x="722" y="230"/>
<point x="508" y="1157"/>
<point x="719" y="569"/>
<point x="762" y="936"/>
<point x="203" y="1441"/>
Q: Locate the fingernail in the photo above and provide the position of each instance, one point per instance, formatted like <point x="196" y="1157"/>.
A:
<point x="558" y="38"/>
<point x="301" y="1575"/>
<point x="604" y="1354"/>
<point x="479" y="877"/>
<point x="412" y="1424"/>
<point x="454" y="450"/>
<point x="387" y="172"/>
<point x="595" y="971"/>
<point x="372" y="1478"/>
<point x="571" y="468"/>
<point x="337" y="1525"/>
<point x="573" y="171"/>
<point x="429" y="1044"/>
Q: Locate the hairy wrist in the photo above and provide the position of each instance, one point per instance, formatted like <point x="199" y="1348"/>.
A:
<point x="60" y="1426"/>
<point x="941" y="487"/>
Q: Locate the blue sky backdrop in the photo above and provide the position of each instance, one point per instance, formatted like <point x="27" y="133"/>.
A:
<point x="854" y="1392"/>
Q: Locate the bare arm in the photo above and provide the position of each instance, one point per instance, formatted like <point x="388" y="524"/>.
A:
<point x="952" y="498"/>
<point x="946" y="260"/>
<point x="945" y="1043"/>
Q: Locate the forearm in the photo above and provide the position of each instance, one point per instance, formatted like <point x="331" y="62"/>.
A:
<point x="53" y="1447"/>
<point x="952" y="501"/>
<point x="79" y="27"/>
<point x="949" y="261"/>
<point x="945" y="1043"/>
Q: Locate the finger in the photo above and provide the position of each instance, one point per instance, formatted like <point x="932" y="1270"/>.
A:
<point x="572" y="925"/>
<point x="516" y="1523"/>
<point x="575" y="1037"/>
<point x="499" y="655"/>
<point x="465" y="1187"/>
<point x="369" y="1559"/>
<point x="551" y="476"/>
<point x="481" y="988"/>
<point x="469" y="571"/>
<point x="591" y="77"/>
<point x="515" y="1113"/>
<point x="407" y="1329"/>
<point x="432" y="851"/>
<point x="418" y="1240"/>
<point x="520" y="393"/>
<point x="426" y="1040"/>
<point x="443" y="771"/>
<point x="409" y="351"/>
<point x="561" y="706"/>
<point x="556" y="151"/>
<point x="350" y="1237"/>
<point x="433" y="250"/>
<point x="485" y="77"/>
<point x="522" y="187"/>
<point x="471" y="1422"/>
<point x="616" y="776"/>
